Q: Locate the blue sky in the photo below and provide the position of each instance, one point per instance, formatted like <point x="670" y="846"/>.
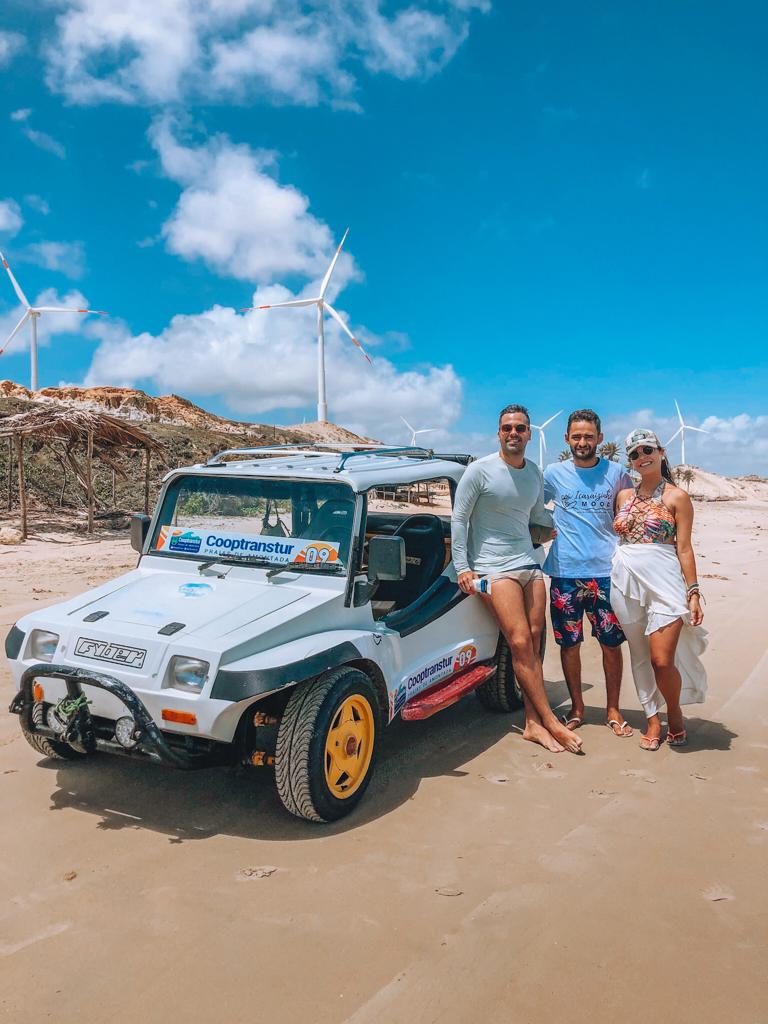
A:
<point x="552" y="204"/>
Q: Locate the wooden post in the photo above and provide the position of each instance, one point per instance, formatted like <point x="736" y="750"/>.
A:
<point x="147" y="458"/>
<point x="22" y="488"/>
<point x="89" y="479"/>
<point x="10" y="473"/>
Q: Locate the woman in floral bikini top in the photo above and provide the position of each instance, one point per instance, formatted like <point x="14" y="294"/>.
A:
<point x="646" y="520"/>
<point x="654" y="592"/>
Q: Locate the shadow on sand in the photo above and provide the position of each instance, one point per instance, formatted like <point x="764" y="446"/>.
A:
<point x="244" y="802"/>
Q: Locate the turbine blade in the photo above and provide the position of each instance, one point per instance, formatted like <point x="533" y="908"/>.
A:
<point x="547" y="422"/>
<point x="281" y="305"/>
<point x="405" y="421"/>
<point x="341" y="323"/>
<point x="329" y="271"/>
<point x="16" y="286"/>
<point x="678" y="431"/>
<point x="679" y="414"/>
<point x="699" y="430"/>
<point x="62" y="309"/>
<point x="14" y="332"/>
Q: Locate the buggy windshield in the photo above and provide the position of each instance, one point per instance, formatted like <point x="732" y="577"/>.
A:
<point x="252" y="521"/>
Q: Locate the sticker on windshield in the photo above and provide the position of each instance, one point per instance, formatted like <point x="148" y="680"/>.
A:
<point x="213" y="544"/>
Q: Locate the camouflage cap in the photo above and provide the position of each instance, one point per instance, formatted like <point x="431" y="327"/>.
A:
<point x="640" y="435"/>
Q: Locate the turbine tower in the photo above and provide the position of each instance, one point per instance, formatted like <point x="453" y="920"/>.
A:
<point x="681" y="431"/>
<point x="323" y="307"/>
<point x="33" y="314"/>
<point x="542" y="439"/>
<point x="415" y="433"/>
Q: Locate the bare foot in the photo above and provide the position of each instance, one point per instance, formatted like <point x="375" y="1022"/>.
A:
<point x="538" y="734"/>
<point x="569" y="739"/>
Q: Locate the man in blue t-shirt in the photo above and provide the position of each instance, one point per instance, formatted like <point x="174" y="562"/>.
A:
<point x="584" y="490"/>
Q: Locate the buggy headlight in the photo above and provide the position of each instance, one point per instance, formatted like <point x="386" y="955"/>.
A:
<point x="187" y="673"/>
<point x="42" y="644"/>
<point x="125" y="732"/>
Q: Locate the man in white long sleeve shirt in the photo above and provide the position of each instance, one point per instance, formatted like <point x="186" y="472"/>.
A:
<point x="497" y="500"/>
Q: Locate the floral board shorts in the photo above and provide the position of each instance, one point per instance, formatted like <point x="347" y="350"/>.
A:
<point x="570" y="600"/>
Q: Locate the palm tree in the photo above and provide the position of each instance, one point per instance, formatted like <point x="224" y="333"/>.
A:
<point x="564" y="455"/>
<point x="609" y="450"/>
<point x="684" y="475"/>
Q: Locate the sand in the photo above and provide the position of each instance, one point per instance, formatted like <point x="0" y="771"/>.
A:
<point x="482" y="879"/>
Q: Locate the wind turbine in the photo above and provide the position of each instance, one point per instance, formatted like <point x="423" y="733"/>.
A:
<point x="323" y="307"/>
<point x="415" y="433"/>
<point x="681" y="430"/>
<point x="33" y="313"/>
<point x="542" y="439"/>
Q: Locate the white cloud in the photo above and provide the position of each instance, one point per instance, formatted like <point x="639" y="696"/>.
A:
<point x="11" y="43"/>
<point x="10" y="217"/>
<point x="22" y="114"/>
<point x="45" y="141"/>
<point x="38" y="203"/>
<point x="266" y="360"/>
<point x="234" y="215"/>
<point x="734" y="445"/>
<point x="163" y="51"/>
<point x="66" y="257"/>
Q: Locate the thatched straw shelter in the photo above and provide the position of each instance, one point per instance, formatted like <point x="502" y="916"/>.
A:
<point x="64" y="429"/>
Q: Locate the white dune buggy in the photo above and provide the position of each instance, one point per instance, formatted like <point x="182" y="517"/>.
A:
<point x="287" y="603"/>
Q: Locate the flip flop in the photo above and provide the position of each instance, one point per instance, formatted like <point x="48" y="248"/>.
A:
<point x="646" y="743"/>
<point x="574" y="718"/>
<point x="677" y="739"/>
<point x="621" y="726"/>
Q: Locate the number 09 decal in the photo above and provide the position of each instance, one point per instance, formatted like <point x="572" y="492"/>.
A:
<point x="318" y="552"/>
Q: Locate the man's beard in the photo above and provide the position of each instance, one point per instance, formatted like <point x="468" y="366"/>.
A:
<point x="589" y="453"/>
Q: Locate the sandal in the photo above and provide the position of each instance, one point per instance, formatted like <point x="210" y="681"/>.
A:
<point x="650" y="743"/>
<point x="621" y="726"/>
<point x="574" y="718"/>
<point x="677" y="739"/>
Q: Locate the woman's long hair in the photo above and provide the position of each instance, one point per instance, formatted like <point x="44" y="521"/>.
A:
<point x="666" y="472"/>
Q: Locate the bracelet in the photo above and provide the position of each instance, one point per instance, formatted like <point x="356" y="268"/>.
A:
<point x="693" y="586"/>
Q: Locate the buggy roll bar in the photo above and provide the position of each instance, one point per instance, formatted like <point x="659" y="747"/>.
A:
<point x="345" y="453"/>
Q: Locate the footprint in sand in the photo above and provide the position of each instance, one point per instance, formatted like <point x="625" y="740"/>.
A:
<point x="497" y="780"/>
<point x="247" y="874"/>
<point x="718" y="894"/>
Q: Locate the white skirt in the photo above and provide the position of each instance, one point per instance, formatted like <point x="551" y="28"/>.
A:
<point x="647" y="592"/>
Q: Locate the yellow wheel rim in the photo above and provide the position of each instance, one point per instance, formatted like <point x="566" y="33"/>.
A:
<point x="349" y="746"/>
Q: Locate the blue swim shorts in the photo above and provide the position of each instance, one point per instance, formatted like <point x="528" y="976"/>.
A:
<point x="571" y="599"/>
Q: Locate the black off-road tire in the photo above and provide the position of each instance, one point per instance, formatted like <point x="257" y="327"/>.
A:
<point x="502" y="693"/>
<point x="48" y="748"/>
<point x="301" y="739"/>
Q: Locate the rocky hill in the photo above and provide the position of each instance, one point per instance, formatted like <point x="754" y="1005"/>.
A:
<point x="136" y="405"/>
<point x="187" y="433"/>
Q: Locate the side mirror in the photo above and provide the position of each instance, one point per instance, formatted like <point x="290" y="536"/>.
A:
<point x="139" y="530"/>
<point x="386" y="559"/>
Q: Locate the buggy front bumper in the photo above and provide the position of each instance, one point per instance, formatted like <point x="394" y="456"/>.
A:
<point x="88" y="735"/>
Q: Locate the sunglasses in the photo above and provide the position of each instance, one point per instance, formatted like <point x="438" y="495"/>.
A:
<point x="645" y="450"/>
<point x="507" y="428"/>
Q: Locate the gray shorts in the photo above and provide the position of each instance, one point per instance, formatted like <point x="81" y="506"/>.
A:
<point x="528" y="574"/>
